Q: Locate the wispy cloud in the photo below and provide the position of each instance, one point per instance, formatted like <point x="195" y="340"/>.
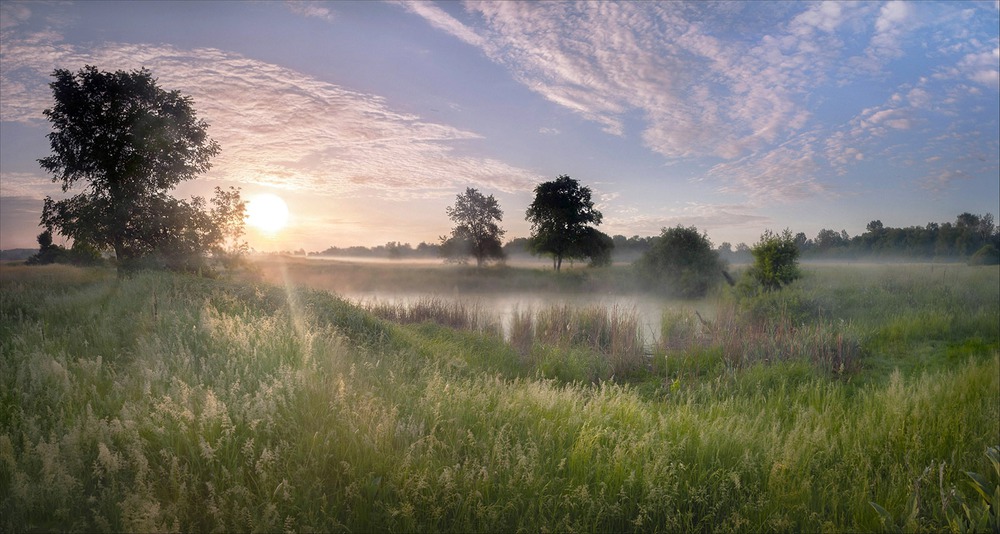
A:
<point x="27" y="185"/>
<point x="783" y="174"/>
<point x="744" y="97"/>
<point x="704" y="216"/>
<point x="276" y="126"/>
<point x="441" y="20"/>
<point x="13" y="14"/>
<point x="310" y="8"/>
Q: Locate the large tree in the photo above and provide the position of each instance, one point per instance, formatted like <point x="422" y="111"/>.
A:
<point x="131" y="142"/>
<point x="478" y="232"/>
<point x="560" y="217"/>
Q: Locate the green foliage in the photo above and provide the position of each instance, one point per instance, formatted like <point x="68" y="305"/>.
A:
<point x="81" y="253"/>
<point x="595" y="245"/>
<point x="964" y="515"/>
<point x="168" y="402"/>
<point x="477" y="232"/>
<point x="987" y="255"/>
<point x="131" y="142"/>
<point x="681" y="262"/>
<point x="560" y="216"/>
<point x="934" y="240"/>
<point x="776" y="260"/>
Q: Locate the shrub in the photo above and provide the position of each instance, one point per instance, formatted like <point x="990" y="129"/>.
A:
<point x="681" y="262"/>
<point x="776" y="259"/>
<point x="987" y="255"/>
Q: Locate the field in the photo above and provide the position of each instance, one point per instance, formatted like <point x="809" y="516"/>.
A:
<point x="858" y="399"/>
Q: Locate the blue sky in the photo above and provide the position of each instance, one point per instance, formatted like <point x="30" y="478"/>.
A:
<point x="368" y="118"/>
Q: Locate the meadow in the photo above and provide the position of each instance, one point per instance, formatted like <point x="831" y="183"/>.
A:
<point x="860" y="398"/>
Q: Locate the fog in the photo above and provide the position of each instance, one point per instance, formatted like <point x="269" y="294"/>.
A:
<point x="499" y="291"/>
<point x="648" y="309"/>
<point x="520" y="261"/>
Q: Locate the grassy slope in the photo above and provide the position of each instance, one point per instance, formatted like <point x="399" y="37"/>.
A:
<point x="165" y="402"/>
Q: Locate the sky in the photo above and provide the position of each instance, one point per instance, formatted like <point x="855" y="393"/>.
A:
<point x="368" y="118"/>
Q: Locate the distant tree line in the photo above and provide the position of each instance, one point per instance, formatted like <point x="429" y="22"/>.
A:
<point x="950" y="240"/>
<point x="390" y="250"/>
<point x="960" y="239"/>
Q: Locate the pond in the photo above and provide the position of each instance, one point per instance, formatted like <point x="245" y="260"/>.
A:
<point x="648" y="309"/>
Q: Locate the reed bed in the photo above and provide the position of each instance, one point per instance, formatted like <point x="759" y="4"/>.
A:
<point x="614" y="333"/>
<point x="451" y="313"/>
<point x="742" y="339"/>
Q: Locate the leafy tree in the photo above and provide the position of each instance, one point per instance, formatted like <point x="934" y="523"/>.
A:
<point x="681" y="262"/>
<point x="775" y="260"/>
<point x="131" y="142"/>
<point x="477" y="233"/>
<point x="183" y="232"/>
<point x="559" y="217"/>
<point x="595" y="245"/>
<point x="227" y="215"/>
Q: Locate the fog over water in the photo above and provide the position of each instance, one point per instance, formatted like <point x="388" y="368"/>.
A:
<point x="647" y="308"/>
<point x="495" y="292"/>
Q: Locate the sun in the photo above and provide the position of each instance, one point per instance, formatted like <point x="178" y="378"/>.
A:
<point x="267" y="213"/>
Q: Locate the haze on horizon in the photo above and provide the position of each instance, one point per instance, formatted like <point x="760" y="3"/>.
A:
<point x="368" y="118"/>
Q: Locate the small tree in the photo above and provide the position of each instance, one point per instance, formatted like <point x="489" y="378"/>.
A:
<point x="477" y="233"/>
<point x="681" y="262"/>
<point x="559" y="217"/>
<point x="131" y="142"/>
<point x="776" y="260"/>
<point x="47" y="252"/>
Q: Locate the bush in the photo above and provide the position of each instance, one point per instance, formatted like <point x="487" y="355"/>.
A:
<point x="681" y="262"/>
<point x="776" y="259"/>
<point x="81" y="253"/>
<point x="987" y="255"/>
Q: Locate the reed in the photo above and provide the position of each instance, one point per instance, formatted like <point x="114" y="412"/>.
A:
<point x="614" y="333"/>
<point x="451" y="313"/>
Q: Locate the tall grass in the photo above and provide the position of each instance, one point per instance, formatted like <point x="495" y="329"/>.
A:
<point x="453" y="314"/>
<point x="843" y="318"/>
<point x="741" y="339"/>
<point x="165" y="402"/>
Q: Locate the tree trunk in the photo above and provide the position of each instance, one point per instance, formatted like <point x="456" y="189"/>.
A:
<point x="121" y="264"/>
<point x="120" y="257"/>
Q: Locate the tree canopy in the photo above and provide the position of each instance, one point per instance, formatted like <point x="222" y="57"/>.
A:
<point x="131" y="142"/>
<point x="477" y="232"/>
<point x="681" y="262"/>
<point x="560" y="217"/>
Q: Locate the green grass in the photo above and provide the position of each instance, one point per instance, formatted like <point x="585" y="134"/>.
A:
<point x="166" y="402"/>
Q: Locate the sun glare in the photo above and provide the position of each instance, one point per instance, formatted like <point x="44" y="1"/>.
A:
<point x="267" y="212"/>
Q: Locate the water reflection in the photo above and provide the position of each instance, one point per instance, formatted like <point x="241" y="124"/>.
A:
<point x="647" y="308"/>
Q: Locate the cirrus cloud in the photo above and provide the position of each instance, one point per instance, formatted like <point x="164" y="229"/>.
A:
<point x="276" y="126"/>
